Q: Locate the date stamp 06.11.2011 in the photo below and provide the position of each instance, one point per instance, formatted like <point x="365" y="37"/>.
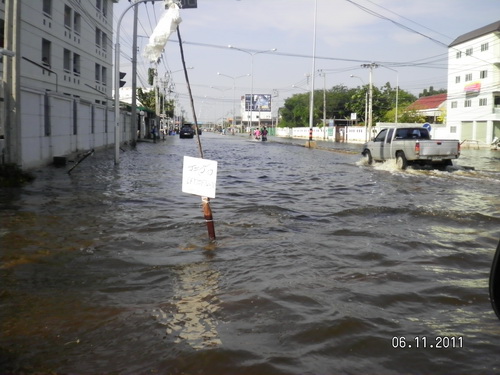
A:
<point x="424" y="342"/>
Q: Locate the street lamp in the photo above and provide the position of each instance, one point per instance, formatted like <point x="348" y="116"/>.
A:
<point x="234" y="91"/>
<point x="313" y="72"/>
<point x="252" y="54"/>
<point x="366" y="103"/>
<point x="117" y="78"/>
<point x="222" y="96"/>
<point x="397" y="91"/>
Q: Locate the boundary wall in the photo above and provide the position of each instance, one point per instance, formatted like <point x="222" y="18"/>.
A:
<point x="53" y="124"/>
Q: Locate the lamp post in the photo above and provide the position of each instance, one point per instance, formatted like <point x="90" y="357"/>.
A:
<point x="323" y="74"/>
<point x="397" y="91"/>
<point x="222" y="97"/>
<point x="252" y="54"/>
<point x="366" y="104"/>
<point x="117" y="79"/>
<point x="234" y="92"/>
<point x="313" y="72"/>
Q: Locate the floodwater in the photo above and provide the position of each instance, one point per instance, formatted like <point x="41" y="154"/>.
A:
<point x="322" y="265"/>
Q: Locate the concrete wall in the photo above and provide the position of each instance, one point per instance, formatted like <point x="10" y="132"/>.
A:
<point x="58" y="125"/>
<point x="356" y="134"/>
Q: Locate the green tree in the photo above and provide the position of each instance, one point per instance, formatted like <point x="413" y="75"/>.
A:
<point x="147" y="99"/>
<point x="431" y="91"/>
<point x="295" y="111"/>
<point x="411" y="116"/>
<point x="387" y="113"/>
<point x="338" y="102"/>
<point x="342" y="101"/>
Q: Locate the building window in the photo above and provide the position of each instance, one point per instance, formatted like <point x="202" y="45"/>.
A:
<point x="98" y="37"/>
<point x="468" y="52"/>
<point x="459" y="54"/>
<point x="67" y="60"/>
<point x="105" y="8"/>
<point x="104" y="75"/>
<point x="484" y="47"/>
<point x="2" y="33"/>
<point x="483" y="102"/>
<point x="47" y="7"/>
<point x="483" y="73"/>
<point x="468" y="103"/>
<point x="97" y="73"/>
<point x="46" y="45"/>
<point x="454" y="104"/>
<point x="67" y="16"/>
<point x="457" y="79"/>
<point x="104" y="41"/>
<point x="77" y="23"/>
<point x="76" y="64"/>
<point x="453" y="129"/>
<point x="468" y="77"/>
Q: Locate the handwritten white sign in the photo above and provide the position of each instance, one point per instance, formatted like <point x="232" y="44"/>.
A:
<point x="199" y="176"/>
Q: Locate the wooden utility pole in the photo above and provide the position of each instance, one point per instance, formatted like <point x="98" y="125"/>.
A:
<point x="12" y="92"/>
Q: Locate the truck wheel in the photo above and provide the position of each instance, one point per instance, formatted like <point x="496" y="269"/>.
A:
<point x="444" y="164"/>
<point x="401" y="161"/>
<point x="368" y="157"/>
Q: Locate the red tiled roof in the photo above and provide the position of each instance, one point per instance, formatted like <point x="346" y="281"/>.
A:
<point x="428" y="102"/>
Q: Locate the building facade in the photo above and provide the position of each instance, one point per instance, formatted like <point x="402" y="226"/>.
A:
<point x="473" y="107"/>
<point x="59" y="82"/>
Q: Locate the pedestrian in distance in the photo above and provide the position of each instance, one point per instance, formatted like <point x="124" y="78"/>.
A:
<point x="264" y="134"/>
<point x="153" y="133"/>
<point x="257" y="134"/>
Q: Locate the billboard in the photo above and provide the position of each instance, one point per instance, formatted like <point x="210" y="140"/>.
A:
<point x="259" y="102"/>
<point x="186" y="4"/>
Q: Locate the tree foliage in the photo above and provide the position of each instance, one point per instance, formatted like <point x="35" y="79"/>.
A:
<point x="342" y="101"/>
<point x="431" y="91"/>
<point x="147" y="98"/>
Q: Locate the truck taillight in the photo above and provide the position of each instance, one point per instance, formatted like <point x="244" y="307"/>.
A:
<point x="417" y="147"/>
<point x="458" y="148"/>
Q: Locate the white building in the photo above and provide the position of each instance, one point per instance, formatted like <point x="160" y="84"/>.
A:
<point x="60" y="79"/>
<point x="473" y="108"/>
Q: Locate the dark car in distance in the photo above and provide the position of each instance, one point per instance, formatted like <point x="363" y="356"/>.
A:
<point x="186" y="131"/>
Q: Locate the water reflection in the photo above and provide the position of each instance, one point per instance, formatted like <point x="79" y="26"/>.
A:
<point x="191" y="314"/>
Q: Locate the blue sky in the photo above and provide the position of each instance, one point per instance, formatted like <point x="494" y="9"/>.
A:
<point x="348" y="34"/>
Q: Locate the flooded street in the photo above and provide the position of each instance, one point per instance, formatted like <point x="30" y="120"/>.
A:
<point x="322" y="265"/>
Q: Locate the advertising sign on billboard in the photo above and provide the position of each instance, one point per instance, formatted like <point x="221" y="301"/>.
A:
<point x="186" y="4"/>
<point x="259" y="102"/>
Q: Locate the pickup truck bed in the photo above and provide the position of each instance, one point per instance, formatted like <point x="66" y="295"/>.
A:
<point x="411" y="145"/>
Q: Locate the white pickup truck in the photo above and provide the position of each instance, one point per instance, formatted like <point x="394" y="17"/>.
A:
<point x="411" y="145"/>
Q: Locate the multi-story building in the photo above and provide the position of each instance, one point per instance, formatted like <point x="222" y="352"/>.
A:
<point x="473" y="109"/>
<point x="63" y="72"/>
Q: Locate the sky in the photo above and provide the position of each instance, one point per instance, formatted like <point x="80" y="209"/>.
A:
<point x="407" y="39"/>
